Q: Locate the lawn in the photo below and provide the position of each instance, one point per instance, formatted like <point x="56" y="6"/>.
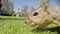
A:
<point x="16" y="25"/>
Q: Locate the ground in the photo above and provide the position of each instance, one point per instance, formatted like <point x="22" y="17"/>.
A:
<point x="16" y="25"/>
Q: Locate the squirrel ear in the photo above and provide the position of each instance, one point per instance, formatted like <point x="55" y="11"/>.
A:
<point x="45" y="7"/>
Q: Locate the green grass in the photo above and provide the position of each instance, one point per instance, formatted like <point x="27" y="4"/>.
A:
<point x="16" y="25"/>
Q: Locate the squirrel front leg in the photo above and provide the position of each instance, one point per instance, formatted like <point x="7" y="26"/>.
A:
<point x="56" y="22"/>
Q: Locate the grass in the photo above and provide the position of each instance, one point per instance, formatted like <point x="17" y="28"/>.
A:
<point x="16" y="25"/>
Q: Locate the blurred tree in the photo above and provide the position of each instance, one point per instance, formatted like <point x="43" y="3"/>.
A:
<point x="7" y="6"/>
<point x="4" y="3"/>
<point x="14" y="14"/>
<point x="24" y="10"/>
<point x="0" y="5"/>
<point x="32" y="9"/>
<point x="10" y="4"/>
<point x="10" y="7"/>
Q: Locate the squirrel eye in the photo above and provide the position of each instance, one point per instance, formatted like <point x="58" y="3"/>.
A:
<point x="35" y="14"/>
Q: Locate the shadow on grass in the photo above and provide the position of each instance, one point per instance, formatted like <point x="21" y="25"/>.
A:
<point x="55" y="29"/>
